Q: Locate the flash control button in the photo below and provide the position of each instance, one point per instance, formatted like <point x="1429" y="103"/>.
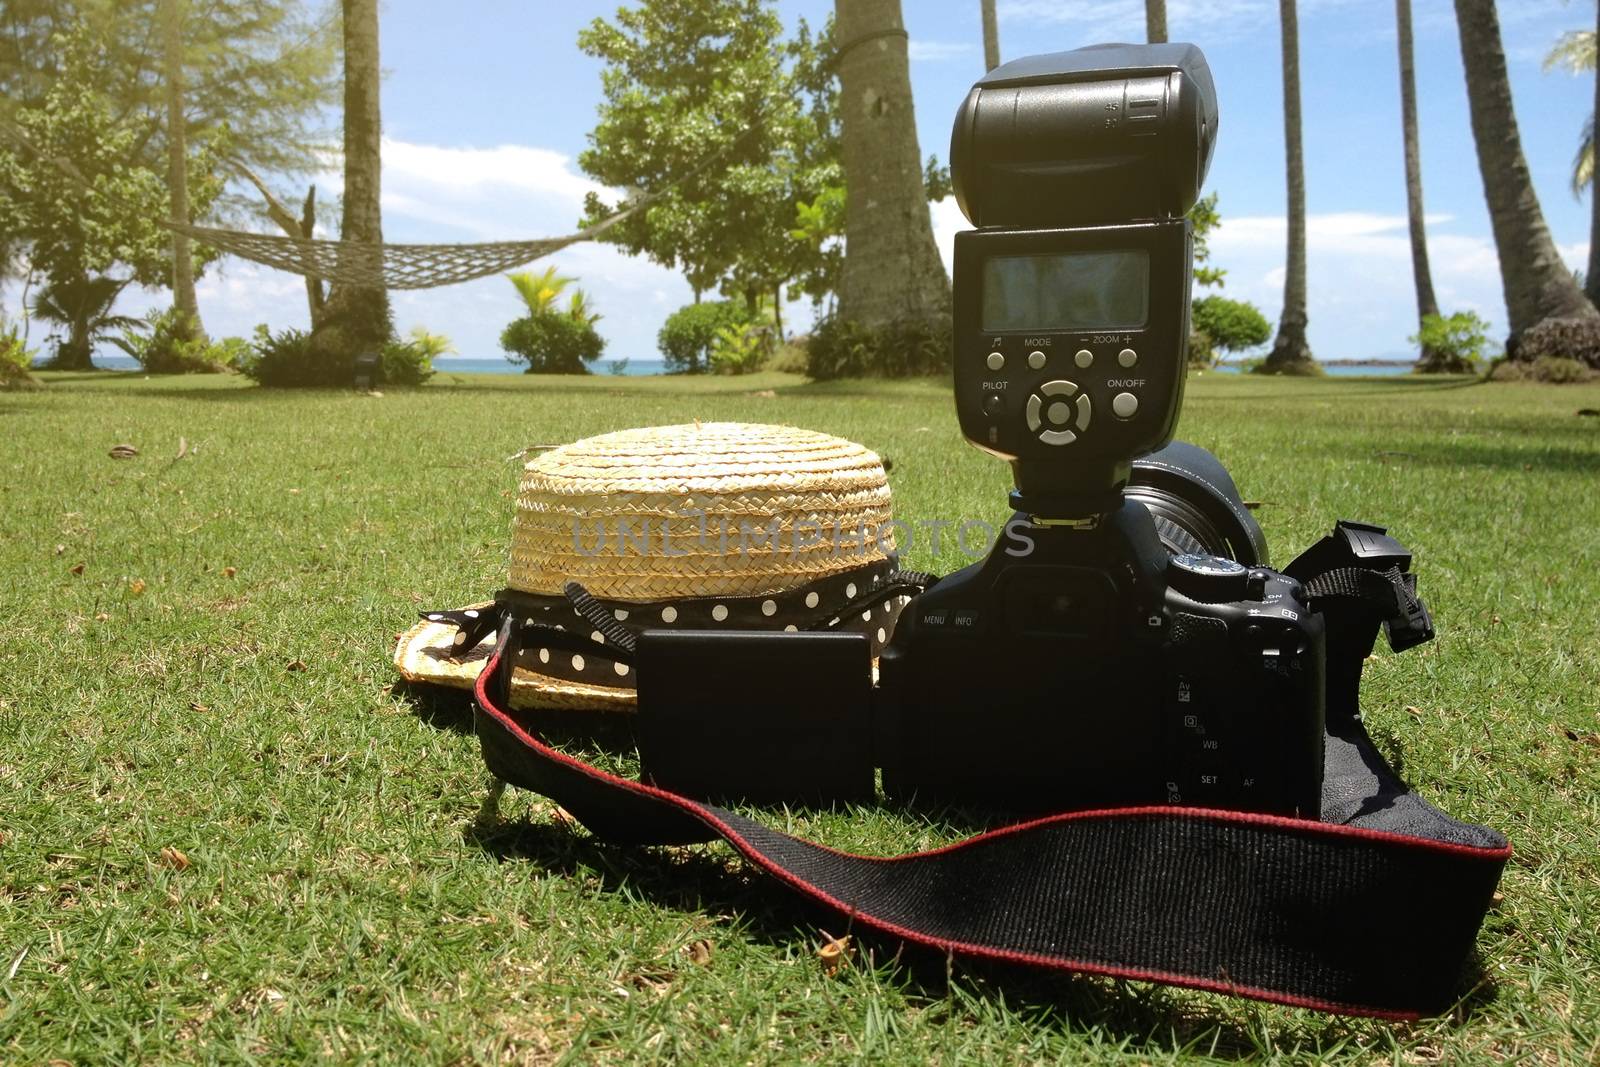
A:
<point x="996" y="361"/>
<point x="1124" y="405"/>
<point x="1036" y="360"/>
<point x="1127" y="357"/>
<point x="1084" y="358"/>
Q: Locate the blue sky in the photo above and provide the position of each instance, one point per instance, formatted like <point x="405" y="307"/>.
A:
<point x="486" y="109"/>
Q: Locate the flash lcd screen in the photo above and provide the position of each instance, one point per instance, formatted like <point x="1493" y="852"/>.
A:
<point x="1074" y="291"/>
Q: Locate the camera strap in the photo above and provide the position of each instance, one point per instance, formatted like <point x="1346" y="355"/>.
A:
<point x="1371" y="911"/>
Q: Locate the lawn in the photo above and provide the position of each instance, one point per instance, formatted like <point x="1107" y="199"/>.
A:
<point x="225" y="835"/>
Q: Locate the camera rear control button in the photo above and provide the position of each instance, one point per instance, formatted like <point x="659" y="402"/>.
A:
<point x="1059" y="413"/>
<point x="1127" y="357"/>
<point x="1034" y="404"/>
<point x="1058" y="437"/>
<point x="1036" y="360"/>
<point x="1060" y="387"/>
<point x="1084" y="411"/>
<point x="1124" y="405"/>
<point x="996" y="361"/>
<point x="1084" y="358"/>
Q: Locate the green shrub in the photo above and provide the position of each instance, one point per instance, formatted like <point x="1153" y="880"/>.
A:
<point x="741" y="349"/>
<point x="689" y="335"/>
<point x="1452" y="344"/>
<point x="1230" y="325"/>
<point x="161" y="347"/>
<point x="288" y="360"/>
<point x="842" y="349"/>
<point x="408" y="362"/>
<point x="792" y="357"/>
<point x="1555" y="370"/>
<point x="552" y="342"/>
<point x="16" y="358"/>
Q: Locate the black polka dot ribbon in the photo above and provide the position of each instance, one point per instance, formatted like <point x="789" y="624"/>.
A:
<point x="581" y="638"/>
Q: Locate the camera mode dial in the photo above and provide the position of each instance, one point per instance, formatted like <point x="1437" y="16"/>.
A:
<point x="1207" y="579"/>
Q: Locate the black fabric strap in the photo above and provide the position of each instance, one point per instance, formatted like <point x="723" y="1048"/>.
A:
<point x="1371" y="911"/>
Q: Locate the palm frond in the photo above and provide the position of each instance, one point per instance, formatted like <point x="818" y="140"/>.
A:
<point x="539" y="291"/>
<point x="1574" y="52"/>
<point x="1583" y="162"/>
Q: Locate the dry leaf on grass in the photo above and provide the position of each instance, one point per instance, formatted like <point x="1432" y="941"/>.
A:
<point x="195" y="705"/>
<point x="76" y="568"/>
<point x="183" y="448"/>
<point x="699" y="952"/>
<point x="229" y="572"/>
<point x="137" y="586"/>
<point x="835" y="953"/>
<point x="295" y="665"/>
<point x="123" y="452"/>
<point x="175" y="859"/>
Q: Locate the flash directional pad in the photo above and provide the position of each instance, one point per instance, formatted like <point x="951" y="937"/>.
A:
<point x="1058" y="411"/>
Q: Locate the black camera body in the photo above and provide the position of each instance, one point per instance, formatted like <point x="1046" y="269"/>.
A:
<point x="1094" y="658"/>
<point x="1124" y="642"/>
<point x="1092" y="666"/>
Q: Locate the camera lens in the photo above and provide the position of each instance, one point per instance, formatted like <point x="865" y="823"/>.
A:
<point x="1195" y="505"/>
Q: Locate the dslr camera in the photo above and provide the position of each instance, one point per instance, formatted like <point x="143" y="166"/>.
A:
<point x="1125" y="642"/>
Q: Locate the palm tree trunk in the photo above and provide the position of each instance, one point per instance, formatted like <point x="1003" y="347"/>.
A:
<point x="1432" y="360"/>
<point x="1539" y="289"/>
<point x="183" y="295"/>
<point x="356" y="317"/>
<point x="892" y="272"/>
<point x="1291" y="353"/>
<point x="1155" y="21"/>
<point x="1592" y="276"/>
<point x="991" y="36"/>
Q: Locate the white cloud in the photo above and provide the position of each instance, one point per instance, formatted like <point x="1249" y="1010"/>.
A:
<point x="1362" y="297"/>
<point x="934" y="51"/>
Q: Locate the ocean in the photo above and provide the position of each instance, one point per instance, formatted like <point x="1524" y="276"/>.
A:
<point x="642" y="367"/>
<point x="459" y="365"/>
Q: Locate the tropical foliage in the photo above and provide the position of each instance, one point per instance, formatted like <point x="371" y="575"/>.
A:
<point x="551" y="339"/>
<point x="689" y="335"/>
<point x="291" y="359"/>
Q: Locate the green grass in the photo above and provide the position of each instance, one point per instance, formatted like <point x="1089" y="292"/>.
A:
<point x="347" y="897"/>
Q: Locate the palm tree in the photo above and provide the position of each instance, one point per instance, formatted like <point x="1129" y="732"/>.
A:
<point x="356" y="318"/>
<point x="1432" y="360"/>
<point x="991" y="36"/>
<point x="183" y="295"/>
<point x="539" y="291"/>
<point x="1291" y="353"/>
<point x="1576" y="52"/>
<point x="1549" y="313"/>
<point x="892" y="273"/>
<point x="1155" y="21"/>
<point x="83" y="306"/>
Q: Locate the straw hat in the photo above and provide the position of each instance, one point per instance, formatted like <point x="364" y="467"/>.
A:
<point x="701" y="526"/>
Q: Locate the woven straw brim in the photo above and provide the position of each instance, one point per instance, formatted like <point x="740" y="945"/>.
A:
<point x="715" y="509"/>
<point x="424" y="654"/>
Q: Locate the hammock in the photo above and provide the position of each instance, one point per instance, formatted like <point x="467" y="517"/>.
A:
<point x="369" y="266"/>
<point x="390" y="266"/>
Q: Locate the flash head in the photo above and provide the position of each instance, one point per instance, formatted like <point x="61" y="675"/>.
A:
<point x="1103" y="134"/>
